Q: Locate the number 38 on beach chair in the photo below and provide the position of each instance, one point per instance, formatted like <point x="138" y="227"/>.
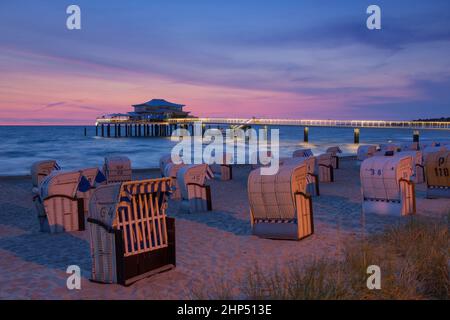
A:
<point x="437" y="168"/>
<point x="386" y="185"/>
<point x="130" y="235"/>
<point x="279" y="206"/>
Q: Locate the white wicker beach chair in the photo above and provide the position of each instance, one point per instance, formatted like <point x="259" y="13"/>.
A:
<point x="223" y="170"/>
<point x="437" y="169"/>
<point x="58" y="207"/>
<point x="117" y="169"/>
<point x="312" y="177"/>
<point x="302" y="153"/>
<point x="366" y="151"/>
<point x="334" y="156"/>
<point x="41" y="169"/>
<point x="325" y="167"/>
<point x="418" y="164"/>
<point x="280" y="208"/>
<point x="386" y="185"/>
<point x="130" y="235"/>
<point x="195" y="193"/>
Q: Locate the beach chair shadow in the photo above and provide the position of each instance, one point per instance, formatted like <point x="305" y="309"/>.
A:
<point x="55" y="251"/>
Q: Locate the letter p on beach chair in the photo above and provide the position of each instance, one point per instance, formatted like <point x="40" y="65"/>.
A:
<point x="195" y="193"/>
<point x="437" y="169"/>
<point x="130" y="235"/>
<point x="279" y="206"/>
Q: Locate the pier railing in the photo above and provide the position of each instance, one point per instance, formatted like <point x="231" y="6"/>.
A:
<point x="320" y="123"/>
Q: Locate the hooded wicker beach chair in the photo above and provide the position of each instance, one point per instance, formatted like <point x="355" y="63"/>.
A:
<point x="387" y="187"/>
<point x="280" y="208"/>
<point x="59" y="207"/>
<point x="334" y="156"/>
<point x="312" y="178"/>
<point x="117" y="169"/>
<point x="418" y="164"/>
<point x="223" y="170"/>
<point x="365" y="151"/>
<point x="130" y="235"/>
<point x="437" y="169"/>
<point x="41" y="169"/>
<point x="325" y="167"/>
<point x="195" y="193"/>
<point x="302" y="153"/>
<point x="384" y="147"/>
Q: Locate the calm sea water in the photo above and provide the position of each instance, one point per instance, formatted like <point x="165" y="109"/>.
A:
<point x="21" y="146"/>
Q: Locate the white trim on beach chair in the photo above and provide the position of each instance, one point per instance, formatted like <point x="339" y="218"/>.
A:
<point x="195" y="193"/>
<point x="437" y="169"/>
<point x="130" y="235"/>
<point x="279" y="206"/>
<point x="117" y="169"/>
<point x="387" y="187"/>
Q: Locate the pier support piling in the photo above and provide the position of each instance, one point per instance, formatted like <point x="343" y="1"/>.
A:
<point x="356" y="135"/>
<point x="103" y="130"/>
<point x="305" y="134"/>
<point x="416" y="136"/>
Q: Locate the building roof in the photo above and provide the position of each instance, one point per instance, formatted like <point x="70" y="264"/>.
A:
<point x="159" y="103"/>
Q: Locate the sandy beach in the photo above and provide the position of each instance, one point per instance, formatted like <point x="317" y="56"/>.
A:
<point x="210" y="247"/>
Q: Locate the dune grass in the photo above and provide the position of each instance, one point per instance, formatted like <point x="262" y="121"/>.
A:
<point x="413" y="258"/>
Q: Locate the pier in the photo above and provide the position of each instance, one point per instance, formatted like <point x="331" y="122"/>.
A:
<point x="144" y="128"/>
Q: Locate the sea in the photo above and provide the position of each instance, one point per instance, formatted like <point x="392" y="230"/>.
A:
<point x="20" y="146"/>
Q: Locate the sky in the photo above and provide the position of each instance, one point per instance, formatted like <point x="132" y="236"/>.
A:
<point x="234" y="58"/>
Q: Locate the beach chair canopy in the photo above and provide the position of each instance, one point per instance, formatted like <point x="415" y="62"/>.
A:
<point x="325" y="159"/>
<point x="303" y="153"/>
<point x="380" y="176"/>
<point x="389" y="147"/>
<point x="437" y="168"/>
<point x="65" y="183"/>
<point x="41" y="169"/>
<point x="273" y="196"/>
